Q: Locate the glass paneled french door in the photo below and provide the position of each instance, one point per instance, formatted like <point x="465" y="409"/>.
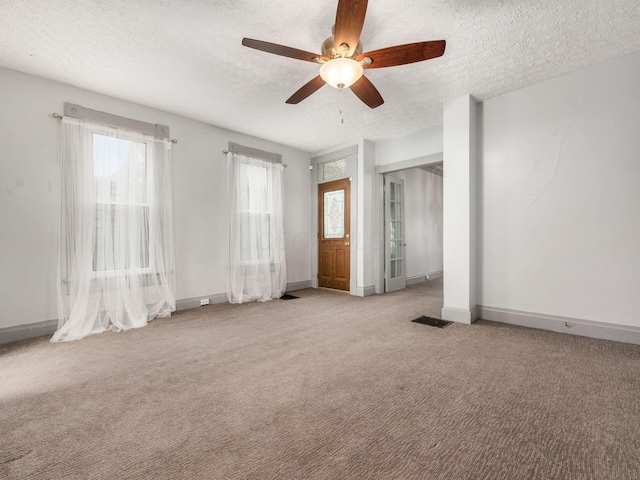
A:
<point x="395" y="278"/>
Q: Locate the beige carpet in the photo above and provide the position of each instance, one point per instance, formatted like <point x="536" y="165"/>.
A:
<point x="325" y="386"/>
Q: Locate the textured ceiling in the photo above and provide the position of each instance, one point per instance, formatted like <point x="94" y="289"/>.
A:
<point x="185" y="56"/>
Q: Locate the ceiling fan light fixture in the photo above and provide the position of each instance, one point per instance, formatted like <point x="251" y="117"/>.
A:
<point x="341" y="72"/>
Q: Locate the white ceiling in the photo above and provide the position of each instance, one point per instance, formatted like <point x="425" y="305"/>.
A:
<point x="186" y="57"/>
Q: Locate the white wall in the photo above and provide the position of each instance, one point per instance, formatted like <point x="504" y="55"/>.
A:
<point x="459" y="225"/>
<point x="367" y="244"/>
<point x="423" y="221"/>
<point x="559" y="194"/>
<point x="414" y="145"/>
<point x="30" y="196"/>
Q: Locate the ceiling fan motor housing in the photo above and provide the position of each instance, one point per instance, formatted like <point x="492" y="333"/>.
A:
<point x="328" y="49"/>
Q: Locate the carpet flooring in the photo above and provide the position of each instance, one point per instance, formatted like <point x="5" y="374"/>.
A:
<point x="329" y="387"/>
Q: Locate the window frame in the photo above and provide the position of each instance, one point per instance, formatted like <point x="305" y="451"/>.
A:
<point x="249" y="211"/>
<point x="148" y="270"/>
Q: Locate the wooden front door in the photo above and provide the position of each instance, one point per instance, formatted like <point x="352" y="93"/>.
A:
<point x="334" y="240"/>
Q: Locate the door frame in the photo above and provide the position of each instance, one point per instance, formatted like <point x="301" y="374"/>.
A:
<point x="351" y="155"/>
<point x="380" y="170"/>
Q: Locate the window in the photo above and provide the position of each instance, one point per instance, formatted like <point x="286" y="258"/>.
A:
<point x="334" y="170"/>
<point x="122" y="210"/>
<point x="117" y="247"/>
<point x="254" y="211"/>
<point x="257" y="264"/>
<point x="333" y="214"/>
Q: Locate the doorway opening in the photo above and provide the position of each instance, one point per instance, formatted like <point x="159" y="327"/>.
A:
<point x="412" y="221"/>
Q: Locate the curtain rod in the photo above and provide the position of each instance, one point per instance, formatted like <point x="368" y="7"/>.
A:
<point x="60" y="117"/>
<point x="227" y="151"/>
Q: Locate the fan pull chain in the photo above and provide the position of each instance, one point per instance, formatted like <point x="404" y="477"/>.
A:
<point x="340" y="106"/>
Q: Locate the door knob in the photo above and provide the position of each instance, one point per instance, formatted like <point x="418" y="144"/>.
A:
<point x="346" y="244"/>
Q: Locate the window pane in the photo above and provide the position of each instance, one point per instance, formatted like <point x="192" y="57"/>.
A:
<point x="334" y="214"/>
<point x="254" y="216"/>
<point x="112" y="222"/>
<point x="254" y="194"/>
<point x="396" y="233"/>
<point x="334" y="170"/>
<point x="122" y="225"/>
<point x="119" y="170"/>
<point x="255" y="236"/>
<point x="396" y="249"/>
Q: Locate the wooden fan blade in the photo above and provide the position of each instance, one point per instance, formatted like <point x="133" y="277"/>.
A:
<point x="306" y="90"/>
<point x="281" y="50"/>
<point x="366" y="92"/>
<point x="403" y="54"/>
<point x="349" y="21"/>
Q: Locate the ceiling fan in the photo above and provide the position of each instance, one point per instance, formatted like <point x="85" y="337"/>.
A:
<point x="342" y="60"/>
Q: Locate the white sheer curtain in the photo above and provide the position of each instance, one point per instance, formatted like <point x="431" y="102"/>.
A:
<point x="116" y="268"/>
<point x="257" y="265"/>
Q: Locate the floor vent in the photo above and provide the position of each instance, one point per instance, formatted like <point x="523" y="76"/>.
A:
<point x="434" y="322"/>
<point x="286" y="296"/>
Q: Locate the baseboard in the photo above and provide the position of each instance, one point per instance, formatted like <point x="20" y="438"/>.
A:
<point x="434" y="275"/>
<point x="30" y="330"/>
<point x="292" y="287"/>
<point x="365" y="291"/>
<point x="188" y="303"/>
<point x="416" y="279"/>
<point x="460" y="315"/>
<point x="48" y="327"/>
<point x="554" y="323"/>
